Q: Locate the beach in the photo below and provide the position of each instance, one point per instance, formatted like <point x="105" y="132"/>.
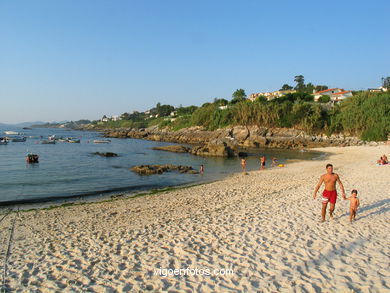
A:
<point x="259" y="232"/>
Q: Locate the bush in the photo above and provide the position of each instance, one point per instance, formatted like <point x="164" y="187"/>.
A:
<point x="324" y="99"/>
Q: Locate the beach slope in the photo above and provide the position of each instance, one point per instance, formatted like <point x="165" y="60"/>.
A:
<point x="264" y="226"/>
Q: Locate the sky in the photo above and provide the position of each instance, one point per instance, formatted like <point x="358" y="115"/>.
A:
<point x="82" y="59"/>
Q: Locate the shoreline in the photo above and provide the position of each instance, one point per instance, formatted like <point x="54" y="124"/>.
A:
<point x="107" y="195"/>
<point x="265" y="226"/>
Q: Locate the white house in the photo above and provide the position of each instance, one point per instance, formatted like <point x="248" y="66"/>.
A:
<point x="115" y="118"/>
<point x="335" y="94"/>
<point x="378" y="90"/>
<point x="270" y="95"/>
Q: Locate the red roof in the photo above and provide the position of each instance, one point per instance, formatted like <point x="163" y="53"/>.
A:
<point x="326" y="90"/>
<point x="341" y="93"/>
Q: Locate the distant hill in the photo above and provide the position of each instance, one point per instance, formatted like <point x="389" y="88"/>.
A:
<point x="22" y="124"/>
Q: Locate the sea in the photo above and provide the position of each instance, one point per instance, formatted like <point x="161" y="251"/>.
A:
<point x="71" y="172"/>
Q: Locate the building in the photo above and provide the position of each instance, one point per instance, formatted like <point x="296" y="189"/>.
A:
<point x="335" y="94"/>
<point x="380" y="89"/>
<point x="270" y="95"/>
<point x="115" y="118"/>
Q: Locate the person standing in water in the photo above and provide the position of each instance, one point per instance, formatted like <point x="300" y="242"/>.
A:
<point x="330" y="193"/>
<point x="262" y="163"/>
<point x="243" y="165"/>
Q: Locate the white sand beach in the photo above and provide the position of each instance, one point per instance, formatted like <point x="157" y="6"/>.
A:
<point x="265" y="226"/>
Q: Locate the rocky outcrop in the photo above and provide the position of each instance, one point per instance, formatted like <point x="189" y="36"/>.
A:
<point x="237" y="137"/>
<point x="173" y="148"/>
<point x="159" y="169"/>
<point x="213" y="149"/>
<point x="106" y="154"/>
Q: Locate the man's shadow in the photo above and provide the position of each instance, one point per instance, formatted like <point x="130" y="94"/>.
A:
<point x="383" y="204"/>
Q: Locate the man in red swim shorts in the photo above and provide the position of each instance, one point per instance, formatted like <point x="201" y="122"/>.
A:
<point x="330" y="193"/>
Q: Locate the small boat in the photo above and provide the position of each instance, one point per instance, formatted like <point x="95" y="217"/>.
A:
<point x="74" y="141"/>
<point x="16" y="138"/>
<point x="29" y="128"/>
<point x="62" y="140"/>
<point x="9" y="132"/>
<point x="48" y="142"/>
<point x="53" y="137"/>
<point x="102" y="141"/>
<point x="32" y="158"/>
<point x="3" y="141"/>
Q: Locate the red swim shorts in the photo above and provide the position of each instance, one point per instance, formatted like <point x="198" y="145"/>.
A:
<point x="329" y="196"/>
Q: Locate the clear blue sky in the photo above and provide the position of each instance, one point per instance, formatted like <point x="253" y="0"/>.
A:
<point x="67" y="60"/>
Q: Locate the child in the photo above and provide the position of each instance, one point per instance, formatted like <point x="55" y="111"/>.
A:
<point x="354" y="204"/>
<point x="243" y="165"/>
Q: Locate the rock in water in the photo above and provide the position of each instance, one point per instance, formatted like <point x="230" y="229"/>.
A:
<point x="213" y="150"/>
<point x="106" y="154"/>
<point x="173" y="148"/>
<point x="159" y="169"/>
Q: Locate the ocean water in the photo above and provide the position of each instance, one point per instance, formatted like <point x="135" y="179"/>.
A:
<point x="69" y="170"/>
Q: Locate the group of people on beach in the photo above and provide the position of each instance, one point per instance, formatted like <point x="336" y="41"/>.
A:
<point x="329" y="195"/>
<point x="383" y="160"/>
<point x="262" y="163"/>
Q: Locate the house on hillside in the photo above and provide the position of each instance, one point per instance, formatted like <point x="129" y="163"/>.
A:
<point x="335" y="94"/>
<point x="270" y="95"/>
<point x="380" y="89"/>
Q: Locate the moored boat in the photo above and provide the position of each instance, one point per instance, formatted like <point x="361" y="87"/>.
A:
<point x="3" y="141"/>
<point x="102" y="141"/>
<point x="48" y="141"/>
<point x="10" y="132"/>
<point x="16" y="138"/>
<point x="74" y="141"/>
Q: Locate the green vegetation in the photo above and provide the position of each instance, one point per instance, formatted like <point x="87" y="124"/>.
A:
<point x="324" y="99"/>
<point x="366" y="115"/>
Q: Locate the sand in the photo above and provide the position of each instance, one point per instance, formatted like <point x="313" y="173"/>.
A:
<point x="264" y="226"/>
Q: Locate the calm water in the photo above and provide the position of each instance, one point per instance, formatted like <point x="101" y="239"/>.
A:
<point x="70" y="170"/>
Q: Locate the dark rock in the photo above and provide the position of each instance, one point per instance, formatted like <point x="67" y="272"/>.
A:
<point x="173" y="148"/>
<point x="213" y="150"/>
<point x="242" y="154"/>
<point x="106" y="154"/>
<point x="159" y="169"/>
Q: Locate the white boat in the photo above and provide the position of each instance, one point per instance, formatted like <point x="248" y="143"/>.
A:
<point x="9" y="132"/>
<point x="3" y="141"/>
<point x="74" y="141"/>
<point x="102" y="141"/>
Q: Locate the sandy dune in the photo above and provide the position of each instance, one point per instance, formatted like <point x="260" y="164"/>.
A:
<point x="264" y="226"/>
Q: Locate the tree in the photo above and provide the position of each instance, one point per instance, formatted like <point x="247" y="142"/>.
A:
<point x="386" y="82"/>
<point x="238" y="96"/>
<point x="309" y="88"/>
<point x="286" y="87"/>
<point x="319" y="88"/>
<point x="324" y="99"/>
<point x="125" y="116"/>
<point x="239" y="93"/>
<point x="300" y="80"/>
<point x="221" y="102"/>
<point x="261" y="99"/>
